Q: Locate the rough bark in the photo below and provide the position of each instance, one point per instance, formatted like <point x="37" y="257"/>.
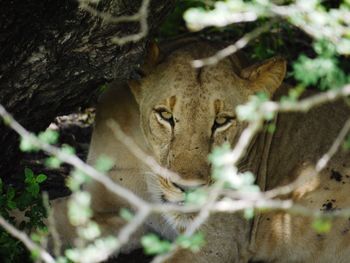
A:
<point x="54" y="56"/>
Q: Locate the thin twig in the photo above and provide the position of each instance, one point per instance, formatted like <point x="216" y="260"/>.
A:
<point x="305" y="105"/>
<point x="241" y="43"/>
<point x="133" y="225"/>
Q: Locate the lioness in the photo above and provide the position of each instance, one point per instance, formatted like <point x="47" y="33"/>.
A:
<point x="178" y="114"/>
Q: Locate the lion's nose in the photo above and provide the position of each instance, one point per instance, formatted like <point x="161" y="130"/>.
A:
<point x="186" y="188"/>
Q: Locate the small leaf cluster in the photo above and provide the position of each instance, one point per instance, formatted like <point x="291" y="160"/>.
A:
<point x="154" y="245"/>
<point x="223" y="169"/>
<point x="251" y="111"/>
<point x="27" y="202"/>
<point x="322" y="71"/>
<point x="322" y="225"/>
<point x="28" y="143"/>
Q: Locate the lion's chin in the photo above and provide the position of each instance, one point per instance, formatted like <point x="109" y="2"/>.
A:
<point x="179" y="221"/>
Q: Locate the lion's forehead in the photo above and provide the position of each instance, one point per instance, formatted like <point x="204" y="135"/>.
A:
<point x="194" y="86"/>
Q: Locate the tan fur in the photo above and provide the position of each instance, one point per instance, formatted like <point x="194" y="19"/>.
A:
<point x="195" y="99"/>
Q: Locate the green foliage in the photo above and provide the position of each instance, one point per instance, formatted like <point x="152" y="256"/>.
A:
<point x="104" y="163"/>
<point x="126" y="214"/>
<point x="53" y="162"/>
<point x="77" y="179"/>
<point x="103" y="88"/>
<point x="193" y="243"/>
<point x="27" y="202"/>
<point x="248" y="213"/>
<point x="49" y="136"/>
<point x="271" y="128"/>
<point x="79" y="211"/>
<point x="293" y="94"/>
<point x="251" y="110"/>
<point x="322" y="225"/>
<point x="93" y="252"/>
<point x="90" y="231"/>
<point x="346" y="144"/>
<point x="153" y="245"/>
<point x="322" y="71"/>
<point x="224" y="170"/>
<point x="174" y="24"/>
<point x="323" y="66"/>
<point x="27" y="144"/>
<point x="196" y="197"/>
<point x="216" y="157"/>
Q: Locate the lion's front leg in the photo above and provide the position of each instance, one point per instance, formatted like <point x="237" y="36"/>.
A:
<point x="109" y="223"/>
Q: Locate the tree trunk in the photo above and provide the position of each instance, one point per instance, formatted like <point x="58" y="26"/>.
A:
<point x="54" y="56"/>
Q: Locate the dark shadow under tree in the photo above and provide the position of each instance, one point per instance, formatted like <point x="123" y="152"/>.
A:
<point x="54" y="56"/>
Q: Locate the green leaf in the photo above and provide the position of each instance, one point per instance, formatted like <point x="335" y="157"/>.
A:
<point x="79" y="211"/>
<point x="11" y="204"/>
<point x="53" y="162"/>
<point x="153" y="245"/>
<point x="72" y="254"/>
<point x="89" y="232"/>
<point x="76" y="179"/>
<point x="102" y="88"/>
<point x="49" y="136"/>
<point x="194" y="242"/>
<point x="27" y="145"/>
<point x="41" y="178"/>
<point x="67" y="149"/>
<point x="217" y="155"/>
<point x="29" y="175"/>
<point x="322" y="226"/>
<point x="62" y="260"/>
<point x="251" y="110"/>
<point x="33" y="189"/>
<point x="35" y="254"/>
<point x="322" y="71"/>
<point x="104" y="163"/>
<point x="196" y="197"/>
<point x="126" y="214"/>
<point x="248" y="213"/>
<point x="271" y="128"/>
<point x="10" y="193"/>
<point x="7" y="120"/>
<point x="346" y="143"/>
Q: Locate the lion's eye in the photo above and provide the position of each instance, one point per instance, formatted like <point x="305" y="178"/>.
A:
<point x="222" y="121"/>
<point x="165" y="115"/>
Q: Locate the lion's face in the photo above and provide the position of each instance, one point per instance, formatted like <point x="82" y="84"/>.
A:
<point x="185" y="113"/>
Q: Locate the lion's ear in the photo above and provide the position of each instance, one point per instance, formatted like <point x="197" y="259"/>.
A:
<point x="135" y="87"/>
<point x="152" y="57"/>
<point x="151" y="60"/>
<point x="266" y="76"/>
